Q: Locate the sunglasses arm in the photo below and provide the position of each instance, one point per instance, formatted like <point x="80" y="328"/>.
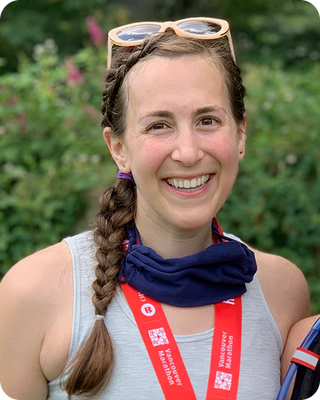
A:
<point x="231" y="47"/>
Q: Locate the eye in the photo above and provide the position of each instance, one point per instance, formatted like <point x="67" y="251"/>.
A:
<point x="209" y="121"/>
<point x="157" y="126"/>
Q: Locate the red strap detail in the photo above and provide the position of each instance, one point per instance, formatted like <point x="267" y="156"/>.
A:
<point x="165" y="355"/>
<point x="161" y="345"/>
<point x="306" y="358"/>
<point x="215" y="221"/>
<point x="226" y="350"/>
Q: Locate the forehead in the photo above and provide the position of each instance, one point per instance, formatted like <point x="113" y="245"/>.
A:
<point x="191" y="81"/>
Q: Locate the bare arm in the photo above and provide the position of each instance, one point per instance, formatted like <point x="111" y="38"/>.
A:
<point x="296" y="335"/>
<point x="27" y="308"/>
<point x="21" y="335"/>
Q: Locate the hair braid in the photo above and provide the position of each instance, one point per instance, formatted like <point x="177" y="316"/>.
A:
<point x="112" y="108"/>
<point x="92" y="366"/>
<point x="117" y="210"/>
<point x="113" y="83"/>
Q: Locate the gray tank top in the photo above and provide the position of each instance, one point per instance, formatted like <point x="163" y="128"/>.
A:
<point x="133" y="376"/>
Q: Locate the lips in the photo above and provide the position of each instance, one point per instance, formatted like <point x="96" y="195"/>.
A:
<point x="194" y="183"/>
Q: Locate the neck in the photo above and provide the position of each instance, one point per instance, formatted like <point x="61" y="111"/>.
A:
<point x="173" y="243"/>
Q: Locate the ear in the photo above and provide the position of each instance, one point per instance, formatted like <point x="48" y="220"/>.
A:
<point x="242" y="137"/>
<point x="117" y="150"/>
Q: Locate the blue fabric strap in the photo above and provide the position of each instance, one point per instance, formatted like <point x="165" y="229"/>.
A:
<point x="216" y="274"/>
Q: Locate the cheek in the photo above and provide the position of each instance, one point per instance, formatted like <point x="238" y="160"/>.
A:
<point x="224" y="150"/>
<point x="148" y="156"/>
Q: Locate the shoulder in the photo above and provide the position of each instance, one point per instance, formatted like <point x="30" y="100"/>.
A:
<point x="278" y="270"/>
<point x="34" y="287"/>
<point x="36" y="273"/>
<point x="285" y="289"/>
<point x="31" y="295"/>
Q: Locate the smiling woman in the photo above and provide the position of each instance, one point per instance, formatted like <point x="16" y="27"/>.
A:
<point x="167" y="139"/>
<point x="179" y="309"/>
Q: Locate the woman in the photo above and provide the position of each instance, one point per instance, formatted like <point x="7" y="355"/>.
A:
<point x="174" y="121"/>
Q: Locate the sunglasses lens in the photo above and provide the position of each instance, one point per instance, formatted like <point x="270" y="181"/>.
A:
<point x="200" y="27"/>
<point x="138" y="32"/>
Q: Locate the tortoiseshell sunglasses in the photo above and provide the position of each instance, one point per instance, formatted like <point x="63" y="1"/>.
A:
<point x="197" y="28"/>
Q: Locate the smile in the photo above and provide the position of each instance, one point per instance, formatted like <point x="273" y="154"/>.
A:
<point x="195" y="183"/>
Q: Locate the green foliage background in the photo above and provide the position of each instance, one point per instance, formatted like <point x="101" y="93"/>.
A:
<point x="53" y="161"/>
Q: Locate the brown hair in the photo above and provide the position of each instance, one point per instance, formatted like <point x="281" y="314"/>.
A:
<point x="92" y="366"/>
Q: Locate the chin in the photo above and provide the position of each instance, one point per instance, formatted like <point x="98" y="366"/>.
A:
<point x="191" y="224"/>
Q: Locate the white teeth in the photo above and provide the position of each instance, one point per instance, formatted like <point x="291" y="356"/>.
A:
<point x="187" y="183"/>
<point x="194" y="183"/>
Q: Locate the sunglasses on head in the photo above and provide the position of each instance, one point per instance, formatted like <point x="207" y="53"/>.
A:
<point x="196" y="28"/>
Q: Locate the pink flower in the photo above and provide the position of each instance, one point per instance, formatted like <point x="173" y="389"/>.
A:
<point x="74" y="75"/>
<point x="97" y="36"/>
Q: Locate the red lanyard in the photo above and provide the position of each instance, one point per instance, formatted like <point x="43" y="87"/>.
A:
<point x="165" y="355"/>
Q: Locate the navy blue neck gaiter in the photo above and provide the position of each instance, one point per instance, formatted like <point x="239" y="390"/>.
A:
<point x="216" y="274"/>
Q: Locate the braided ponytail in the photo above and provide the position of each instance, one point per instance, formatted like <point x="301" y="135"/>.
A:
<point x="92" y="366"/>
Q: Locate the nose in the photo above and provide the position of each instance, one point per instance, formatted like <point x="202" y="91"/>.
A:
<point x="187" y="148"/>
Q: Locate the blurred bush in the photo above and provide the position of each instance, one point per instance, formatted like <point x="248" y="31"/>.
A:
<point x="26" y="23"/>
<point x="52" y="150"/>
<point x="275" y="204"/>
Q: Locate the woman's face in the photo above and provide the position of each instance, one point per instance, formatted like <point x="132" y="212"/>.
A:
<point x="181" y="142"/>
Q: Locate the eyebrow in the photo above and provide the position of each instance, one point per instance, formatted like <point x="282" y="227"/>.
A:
<point x="160" y="114"/>
<point x="169" y="114"/>
<point x="208" y="109"/>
